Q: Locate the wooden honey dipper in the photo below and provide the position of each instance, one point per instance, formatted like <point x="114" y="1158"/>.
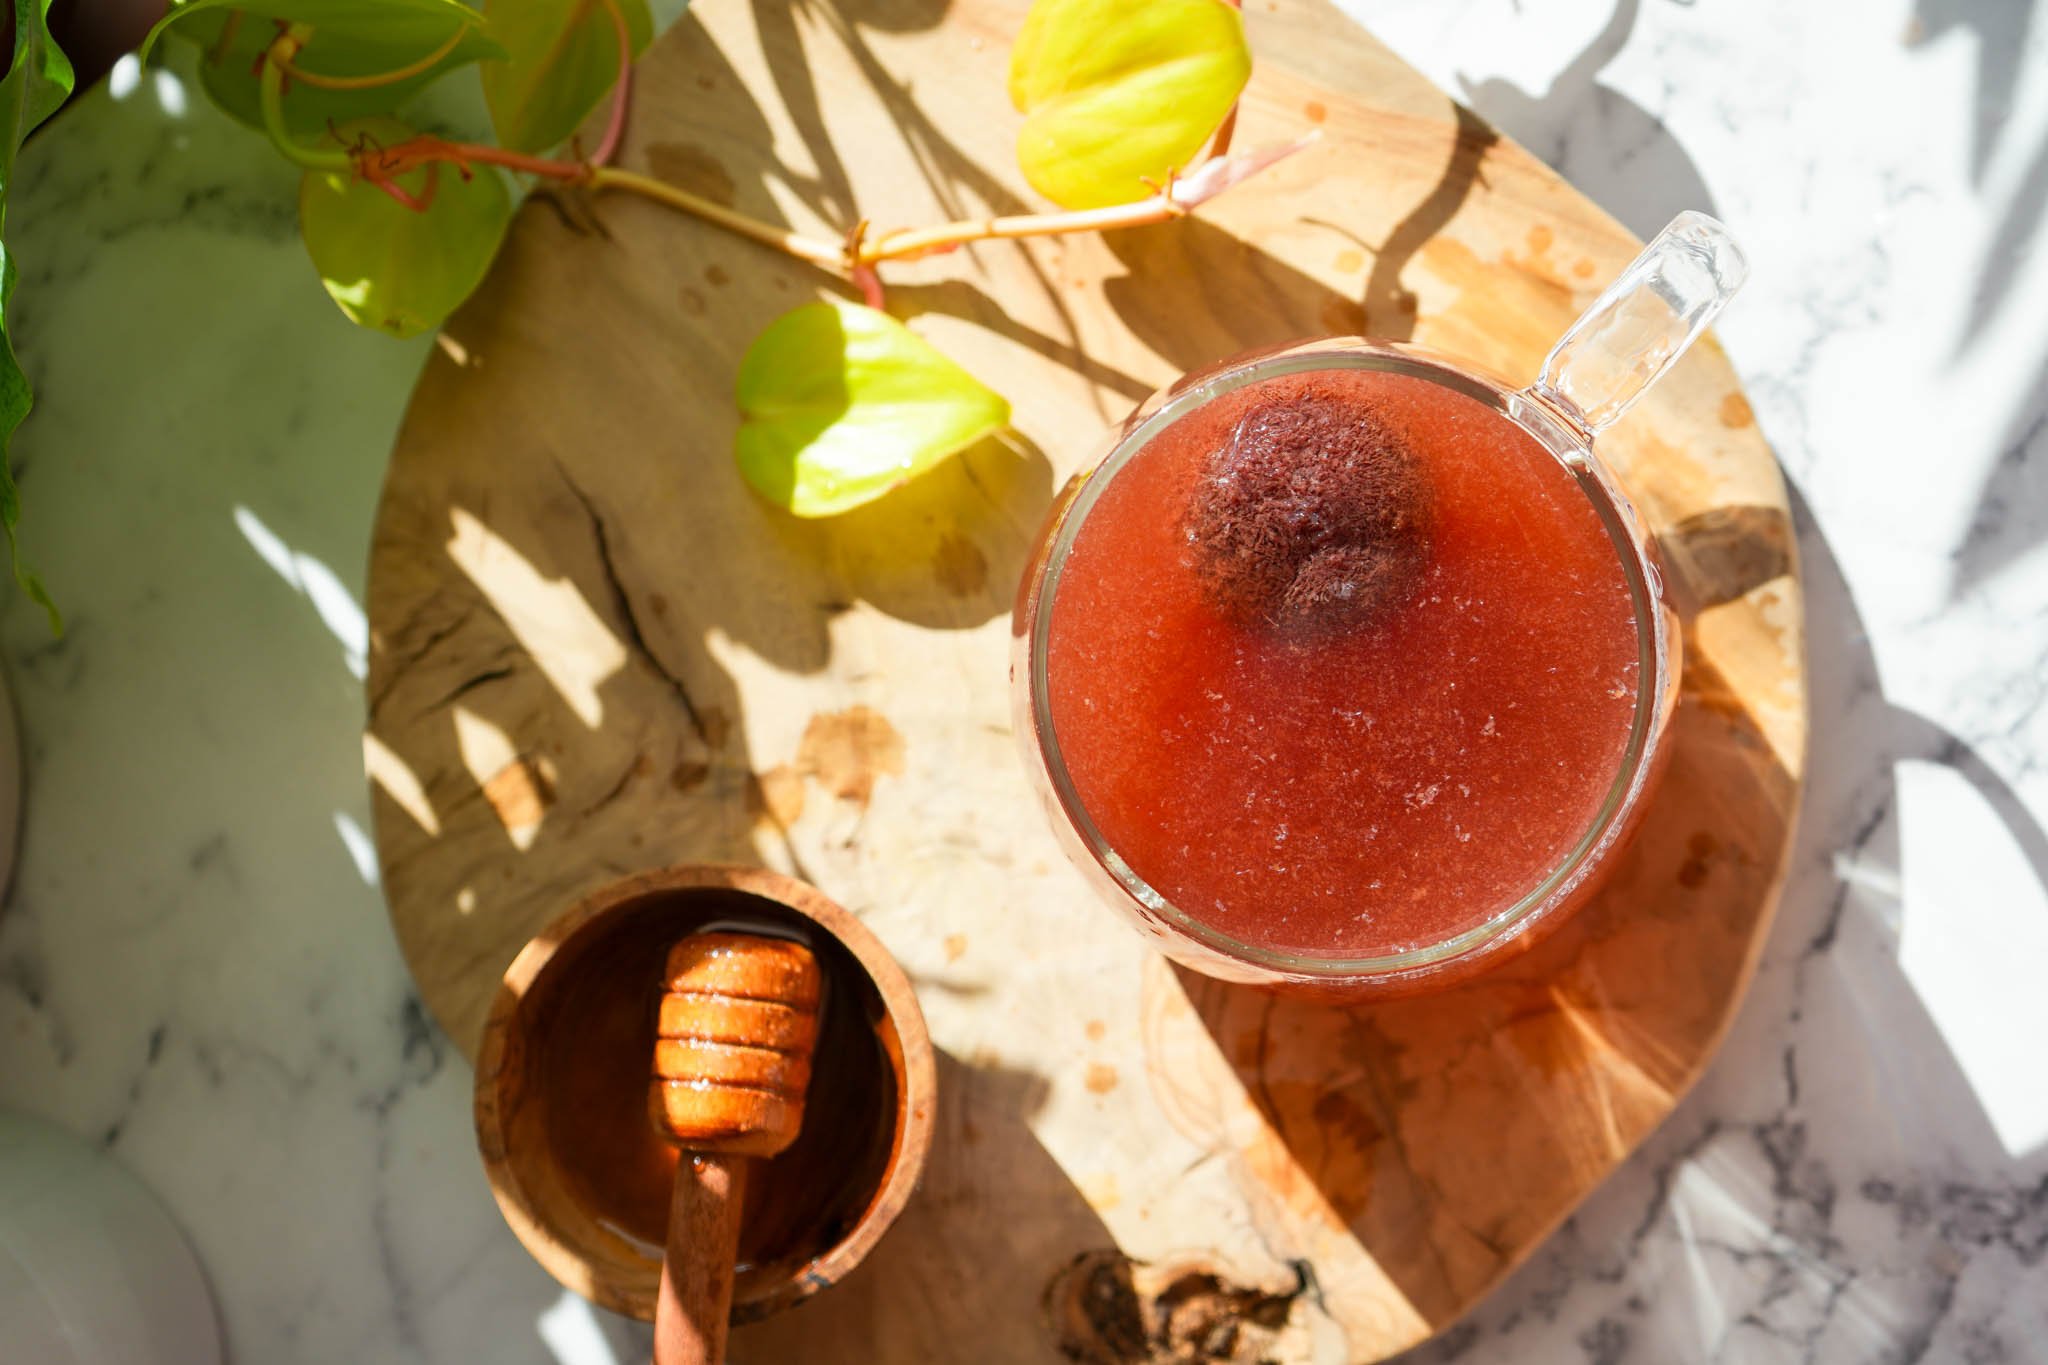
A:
<point x="732" y="1056"/>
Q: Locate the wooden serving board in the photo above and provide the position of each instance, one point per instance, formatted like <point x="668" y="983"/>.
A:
<point x="594" y="651"/>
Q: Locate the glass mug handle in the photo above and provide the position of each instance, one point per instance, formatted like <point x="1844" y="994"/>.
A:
<point x="1642" y="322"/>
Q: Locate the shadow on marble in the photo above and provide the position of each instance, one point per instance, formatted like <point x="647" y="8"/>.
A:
<point x="1616" y="152"/>
<point x="1859" y="740"/>
<point x="2018" y="228"/>
<point x="2011" y="513"/>
<point x="2000" y="29"/>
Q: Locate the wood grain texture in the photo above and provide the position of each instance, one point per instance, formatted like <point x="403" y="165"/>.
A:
<point x="594" y="650"/>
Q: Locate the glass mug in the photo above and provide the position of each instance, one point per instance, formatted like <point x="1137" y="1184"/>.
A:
<point x="1107" y="644"/>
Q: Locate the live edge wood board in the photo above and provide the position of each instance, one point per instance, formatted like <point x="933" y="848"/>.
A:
<point x="595" y="651"/>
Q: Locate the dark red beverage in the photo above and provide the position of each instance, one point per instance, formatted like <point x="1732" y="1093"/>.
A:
<point x="1360" y="760"/>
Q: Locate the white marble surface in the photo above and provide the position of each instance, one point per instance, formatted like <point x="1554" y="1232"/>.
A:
<point x="195" y="965"/>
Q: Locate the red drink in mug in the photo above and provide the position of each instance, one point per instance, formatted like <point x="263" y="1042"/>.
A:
<point x="1348" y="667"/>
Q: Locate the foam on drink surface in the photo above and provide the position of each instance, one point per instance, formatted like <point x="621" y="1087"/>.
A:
<point x="1342" y="662"/>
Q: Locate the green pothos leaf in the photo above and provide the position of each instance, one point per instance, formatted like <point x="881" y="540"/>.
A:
<point x="397" y="268"/>
<point x="561" y="59"/>
<point x="1116" y="92"/>
<point x="38" y="79"/>
<point x="231" y="44"/>
<point x="839" y="403"/>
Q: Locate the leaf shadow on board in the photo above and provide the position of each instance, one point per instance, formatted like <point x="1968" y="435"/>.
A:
<point x="960" y="184"/>
<point x="939" y="1283"/>
<point x="1251" y="299"/>
<point x="965" y="299"/>
<point x="900" y="16"/>
<point x="962" y="187"/>
<point x="724" y="149"/>
<point x="831" y="190"/>
<point x="1195" y="294"/>
<point x="1390" y="309"/>
<point x="777" y="21"/>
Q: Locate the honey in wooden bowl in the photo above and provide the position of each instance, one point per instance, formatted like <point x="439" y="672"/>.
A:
<point x="561" y="1094"/>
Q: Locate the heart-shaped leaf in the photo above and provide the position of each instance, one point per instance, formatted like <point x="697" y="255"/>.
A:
<point x="1116" y="92"/>
<point x="368" y="20"/>
<point x="399" y="269"/>
<point x="231" y="44"/>
<point x="839" y="403"/>
<point x="561" y="59"/>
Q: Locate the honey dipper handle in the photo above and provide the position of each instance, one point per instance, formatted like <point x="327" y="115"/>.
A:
<point x="695" y="1306"/>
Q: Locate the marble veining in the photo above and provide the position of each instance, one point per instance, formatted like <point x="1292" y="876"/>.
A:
<point x="195" y="968"/>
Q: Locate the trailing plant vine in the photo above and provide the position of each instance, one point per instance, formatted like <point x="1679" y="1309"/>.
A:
<point x="1128" y="108"/>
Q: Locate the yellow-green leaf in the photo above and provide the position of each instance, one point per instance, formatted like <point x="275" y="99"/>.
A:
<point x="839" y="403"/>
<point x="561" y="59"/>
<point x="398" y="269"/>
<point x="1115" y="92"/>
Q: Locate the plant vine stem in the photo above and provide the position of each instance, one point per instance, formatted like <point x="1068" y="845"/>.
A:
<point x="923" y="241"/>
<point x="615" y="126"/>
<point x="424" y="150"/>
<point x="812" y="249"/>
<point x="855" y="257"/>
<point x="897" y="245"/>
<point x="371" y="82"/>
<point x="270" y="92"/>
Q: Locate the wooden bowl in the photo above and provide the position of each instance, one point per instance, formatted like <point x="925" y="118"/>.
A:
<point x="561" y="1093"/>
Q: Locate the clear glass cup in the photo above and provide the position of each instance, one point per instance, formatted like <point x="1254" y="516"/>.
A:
<point x="1634" y="332"/>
